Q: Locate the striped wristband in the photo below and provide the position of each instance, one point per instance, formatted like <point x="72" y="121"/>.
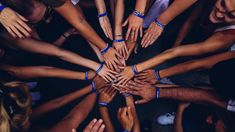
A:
<point x="156" y="74"/>
<point x="118" y="40"/>
<point x="103" y="104"/>
<point x="103" y="51"/>
<point x="162" y="26"/>
<point x="93" y="87"/>
<point x="157" y="92"/>
<point x="134" y="69"/>
<point x="138" y="14"/>
<point x="100" y="68"/>
<point x="102" y="14"/>
<point x="86" y="76"/>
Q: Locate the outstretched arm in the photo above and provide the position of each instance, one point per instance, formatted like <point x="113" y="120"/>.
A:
<point x="28" y="72"/>
<point x="76" y="115"/>
<point x="151" y="77"/>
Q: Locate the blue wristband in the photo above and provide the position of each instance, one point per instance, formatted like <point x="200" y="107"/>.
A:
<point x="103" y="51"/>
<point x="100" y="68"/>
<point x="134" y="69"/>
<point x="92" y="87"/>
<point x="86" y="76"/>
<point x="156" y="73"/>
<point x="103" y="104"/>
<point x="2" y="7"/>
<point x="138" y="14"/>
<point x="157" y="92"/>
<point x="102" y="14"/>
<point x="162" y="26"/>
<point x="118" y="41"/>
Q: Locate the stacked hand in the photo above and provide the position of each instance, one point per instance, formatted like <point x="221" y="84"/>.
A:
<point x="14" y="23"/>
<point x="147" y="76"/>
<point x="94" y="126"/>
<point x="121" y="48"/>
<point x="126" y="118"/>
<point x="107" y="95"/>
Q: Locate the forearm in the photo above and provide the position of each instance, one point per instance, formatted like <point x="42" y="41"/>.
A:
<point x="183" y="32"/>
<point x="100" y="5"/>
<point x="28" y="72"/>
<point x="119" y="14"/>
<point x="77" y="20"/>
<point x="204" y="63"/>
<point x="130" y="103"/>
<point x="192" y="95"/>
<point x="140" y="5"/>
<point x="59" y="102"/>
<point x="176" y="8"/>
<point x="104" y="112"/>
<point x="77" y="115"/>
<point x="178" y="127"/>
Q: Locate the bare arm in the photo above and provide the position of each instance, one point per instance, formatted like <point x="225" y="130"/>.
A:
<point x="130" y="103"/>
<point x="76" y="116"/>
<point x="104" y="112"/>
<point x="189" y="23"/>
<point x="28" y="72"/>
<point x="219" y="41"/>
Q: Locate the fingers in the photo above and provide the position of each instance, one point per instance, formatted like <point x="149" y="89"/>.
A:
<point x="136" y="34"/>
<point x="97" y="125"/>
<point x="21" y="17"/>
<point x="22" y="30"/>
<point x="128" y="33"/>
<point x="10" y="31"/>
<point x="101" y="129"/>
<point x="141" y="32"/>
<point x="129" y="113"/>
<point x="90" y="125"/>
<point x="16" y="32"/>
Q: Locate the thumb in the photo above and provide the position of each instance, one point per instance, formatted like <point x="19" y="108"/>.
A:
<point x="125" y="23"/>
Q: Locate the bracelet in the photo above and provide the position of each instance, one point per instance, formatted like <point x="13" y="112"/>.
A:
<point x="2" y="7"/>
<point x="134" y="69"/>
<point x="103" y="104"/>
<point x="102" y="14"/>
<point x="92" y="87"/>
<point x="103" y="51"/>
<point x="126" y="95"/>
<point x="157" y="92"/>
<point x="86" y="76"/>
<point x="118" y="40"/>
<point x="99" y="69"/>
<point x="156" y="74"/>
<point x="138" y="14"/>
<point x="162" y="26"/>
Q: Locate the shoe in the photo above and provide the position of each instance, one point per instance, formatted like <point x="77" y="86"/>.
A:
<point x="166" y="119"/>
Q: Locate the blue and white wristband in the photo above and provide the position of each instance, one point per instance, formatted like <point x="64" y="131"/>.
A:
<point x="100" y="68"/>
<point x="231" y="105"/>
<point x="93" y="87"/>
<point x="102" y="14"/>
<point x="126" y="95"/>
<point x="86" y="76"/>
<point x="134" y="69"/>
<point x="124" y="130"/>
<point x="157" y="92"/>
<point x="103" y="104"/>
<point x="156" y="74"/>
<point x="162" y="26"/>
<point x="118" y="40"/>
<point x="138" y="14"/>
<point x="103" y="51"/>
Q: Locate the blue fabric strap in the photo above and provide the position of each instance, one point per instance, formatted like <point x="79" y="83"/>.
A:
<point x="134" y="69"/>
<point x="162" y="26"/>
<point x="102" y="14"/>
<point x="2" y="7"/>
<point x="103" y="51"/>
<point x="118" y="41"/>
<point x="100" y="68"/>
<point x="157" y="92"/>
<point x="86" y="76"/>
<point x="103" y="104"/>
<point x="93" y="87"/>
<point x="126" y="95"/>
<point x="138" y="14"/>
<point x="156" y="73"/>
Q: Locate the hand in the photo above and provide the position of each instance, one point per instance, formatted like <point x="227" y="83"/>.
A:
<point x="111" y="59"/>
<point x="95" y="126"/>
<point x="106" y="26"/>
<point x="14" y="23"/>
<point x="99" y="82"/>
<point x="145" y="90"/>
<point x="151" y="35"/>
<point x="125" y="76"/>
<point x="107" y="95"/>
<point x="121" y="49"/>
<point x="147" y="76"/>
<point x="107" y="74"/>
<point x="134" y="26"/>
<point x="126" y="118"/>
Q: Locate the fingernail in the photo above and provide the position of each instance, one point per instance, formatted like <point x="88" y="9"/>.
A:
<point x="100" y="120"/>
<point x="73" y="130"/>
<point x="102" y="126"/>
<point x="95" y="120"/>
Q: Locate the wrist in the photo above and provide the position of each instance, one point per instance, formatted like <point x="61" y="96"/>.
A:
<point x="99" y="68"/>
<point x="103" y="14"/>
<point x="134" y="69"/>
<point x="105" y="50"/>
<point x="160" y="24"/>
<point x="138" y="14"/>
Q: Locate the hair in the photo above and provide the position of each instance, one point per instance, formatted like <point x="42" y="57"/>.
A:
<point x="18" y="93"/>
